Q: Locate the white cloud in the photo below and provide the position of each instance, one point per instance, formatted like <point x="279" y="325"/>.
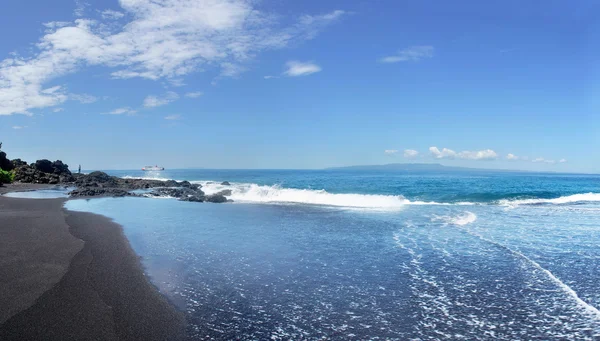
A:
<point x="111" y="15"/>
<point x="410" y="153"/>
<point x="56" y="24"/>
<point x="296" y="68"/>
<point x="271" y="77"/>
<point x="413" y="54"/>
<point x="122" y="111"/>
<point x="443" y="154"/>
<point x="391" y="152"/>
<point x="512" y="157"/>
<point x="542" y="160"/>
<point x="173" y="117"/>
<point x="166" y="39"/>
<point x="19" y="127"/>
<point x="195" y="94"/>
<point x="562" y="161"/>
<point x="480" y="155"/>
<point x="486" y="154"/>
<point x="80" y="7"/>
<point x="83" y="98"/>
<point x="58" y="109"/>
<point x="154" y="101"/>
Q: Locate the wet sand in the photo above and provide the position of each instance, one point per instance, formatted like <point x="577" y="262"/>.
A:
<point x="73" y="276"/>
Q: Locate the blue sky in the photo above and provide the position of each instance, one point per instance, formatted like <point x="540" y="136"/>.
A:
<point x="304" y="84"/>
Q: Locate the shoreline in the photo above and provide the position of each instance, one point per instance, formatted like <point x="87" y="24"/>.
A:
<point x="68" y="275"/>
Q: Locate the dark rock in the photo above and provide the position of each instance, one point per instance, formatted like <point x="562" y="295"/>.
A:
<point x="99" y="177"/>
<point x="225" y="183"/>
<point x="181" y="193"/>
<point x="171" y="183"/>
<point x="18" y="163"/>
<point x="216" y="198"/>
<point x="187" y="184"/>
<point x="225" y="192"/>
<point x="60" y="168"/>
<point x="194" y="198"/>
<point x="96" y="191"/>
<point x="44" y="166"/>
<point x="5" y="163"/>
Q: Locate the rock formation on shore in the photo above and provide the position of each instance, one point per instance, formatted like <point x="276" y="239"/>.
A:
<point x="42" y="172"/>
<point x="101" y="184"/>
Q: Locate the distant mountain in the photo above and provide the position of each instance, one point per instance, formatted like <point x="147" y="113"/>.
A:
<point x="417" y="167"/>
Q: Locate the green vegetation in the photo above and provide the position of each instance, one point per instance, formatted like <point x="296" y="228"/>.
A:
<point x="6" y="177"/>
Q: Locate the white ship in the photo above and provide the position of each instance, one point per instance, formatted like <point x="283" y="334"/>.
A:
<point x="153" y="168"/>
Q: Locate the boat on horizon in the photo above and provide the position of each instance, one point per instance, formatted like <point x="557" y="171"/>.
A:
<point x="153" y="168"/>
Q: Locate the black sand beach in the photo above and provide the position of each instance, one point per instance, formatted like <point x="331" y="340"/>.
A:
<point x="73" y="276"/>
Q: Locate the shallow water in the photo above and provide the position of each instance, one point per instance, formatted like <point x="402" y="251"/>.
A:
<point x="50" y="193"/>
<point x="266" y="268"/>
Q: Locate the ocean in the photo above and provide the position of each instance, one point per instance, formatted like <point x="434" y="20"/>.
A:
<point x="373" y="255"/>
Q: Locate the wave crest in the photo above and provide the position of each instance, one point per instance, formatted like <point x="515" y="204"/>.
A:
<point x="575" y="198"/>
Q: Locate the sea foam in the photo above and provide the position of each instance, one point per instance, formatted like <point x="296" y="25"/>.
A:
<point x="253" y="193"/>
<point x="462" y="219"/>
<point x="582" y="197"/>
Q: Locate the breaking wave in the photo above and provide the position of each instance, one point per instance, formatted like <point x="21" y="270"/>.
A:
<point x="575" y="198"/>
<point x="253" y="193"/>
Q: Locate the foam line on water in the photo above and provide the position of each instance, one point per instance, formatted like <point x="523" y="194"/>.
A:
<point x="590" y="310"/>
<point x="462" y="219"/>
<point x="254" y="193"/>
<point x="568" y="199"/>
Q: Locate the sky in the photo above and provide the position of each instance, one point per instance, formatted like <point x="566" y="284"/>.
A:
<point x="119" y="84"/>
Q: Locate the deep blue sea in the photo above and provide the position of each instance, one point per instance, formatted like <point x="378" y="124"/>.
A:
<point x="359" y="255"/>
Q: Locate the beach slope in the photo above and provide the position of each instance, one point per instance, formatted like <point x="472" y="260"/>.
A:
<point x="73" y="276"/>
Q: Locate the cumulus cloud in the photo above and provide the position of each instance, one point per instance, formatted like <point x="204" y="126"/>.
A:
<point x="270" y="77"/>
<point x="165" y="39"/>
<point x="410" y="153"/>
<point x="480" y="155"/>
<point x="194" y="94"/>
<point x="122" y="111"/>
<point x="155" y="101"/>
<point x="296" y="68"/>
<point x="19" y="127"/>
<point x="58" y="109"/>
<point x="512" y="157"/>
<point x="486" y="154"/>
<point x="443" y="154"/>
<point x="562" y="160"/>
<point x="390" y="151"/>
<point x="410" y="54"/>
<point x="173" y="117"/>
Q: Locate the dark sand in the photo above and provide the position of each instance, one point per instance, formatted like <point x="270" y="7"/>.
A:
<point x="73" y="276"/>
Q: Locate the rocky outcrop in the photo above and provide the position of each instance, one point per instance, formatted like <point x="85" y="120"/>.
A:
<point x="42" y="172"/>
<point x="216" y="198"/>
<point x="181" y="193"/>
<point x="225" y="183"/>
<point x="102" y="184"/>
<point x="18" y="163"/>
<point x="5" y="163"/>
<point x="99" y="191"/>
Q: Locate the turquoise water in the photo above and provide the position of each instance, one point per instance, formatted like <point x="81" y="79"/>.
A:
<point x="352" y="255"/>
